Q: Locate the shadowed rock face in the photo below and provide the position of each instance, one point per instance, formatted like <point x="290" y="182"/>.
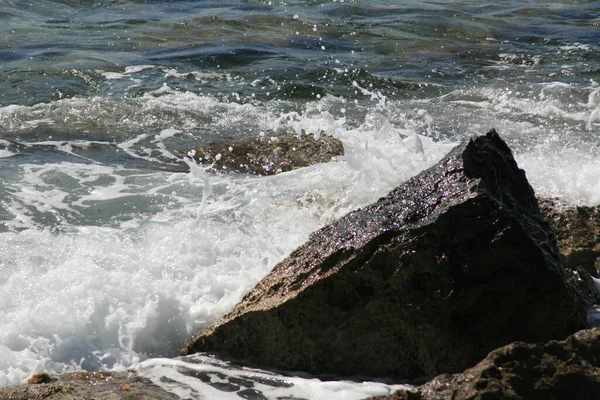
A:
<point x="453" y="263"/>
<point x="567" y="369"/>
<point x="269" y="155"/>
<point x="577" y="230"/>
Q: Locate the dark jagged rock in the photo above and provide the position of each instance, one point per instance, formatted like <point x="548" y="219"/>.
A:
<point x="87" y="385"/>
<point x="452" y="264"/>
<point x="563" y="370"/>
<point x="269" y="154"/>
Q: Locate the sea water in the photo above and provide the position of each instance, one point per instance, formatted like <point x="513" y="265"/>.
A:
<point x="115" y="248"/>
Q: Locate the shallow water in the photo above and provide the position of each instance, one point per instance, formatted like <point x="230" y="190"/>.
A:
<point x="114" y="250"/>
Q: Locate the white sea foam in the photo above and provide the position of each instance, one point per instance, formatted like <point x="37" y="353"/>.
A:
<point x="563" y="173"/>
<point x="158" y="110"/>
<point x="4" y="153"/>
<point x="224" y="381"/>
<point x="130" y="70"/>
<point x="104" y="297"/>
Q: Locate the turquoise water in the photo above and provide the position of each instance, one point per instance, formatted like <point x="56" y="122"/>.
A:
<point x="114" y="250"/>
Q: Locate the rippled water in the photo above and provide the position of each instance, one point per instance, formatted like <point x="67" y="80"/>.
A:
<point x="112" y="251"/>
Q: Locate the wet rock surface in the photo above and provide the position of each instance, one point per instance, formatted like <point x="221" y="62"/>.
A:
<point x="577" y="229"/>
<point x="450" y="265"/>
<point x="87" y="385"/>
<point x="269" y="154"/>
<point x="567" y="369"/>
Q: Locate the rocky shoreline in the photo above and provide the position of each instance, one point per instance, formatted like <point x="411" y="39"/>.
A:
<point x="460" y="278"/>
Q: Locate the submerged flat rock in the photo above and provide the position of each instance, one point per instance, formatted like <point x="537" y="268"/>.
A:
<point x="568" y="369"/>
<point x="450" y="265"/>
<point x="269" y="154"/>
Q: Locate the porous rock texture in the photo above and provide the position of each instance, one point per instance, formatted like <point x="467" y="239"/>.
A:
<point x="269" y="154"/>
<point x="100" y="385"/>
<point x="560" y="370"/>
<point x="577" y="229"/>
<point x="450" y="265"/>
